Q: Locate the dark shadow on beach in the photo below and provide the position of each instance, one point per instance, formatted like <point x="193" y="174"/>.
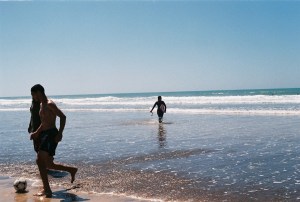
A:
<point x="64" y="195"/>
<point x="61" y="195"/>
<point x="57" y="174"/>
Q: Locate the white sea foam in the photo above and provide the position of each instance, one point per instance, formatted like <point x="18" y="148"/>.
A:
<point x="235" y="111"/>
<point x="188" y="100"/>
<point x="8" y="102"/>
<point x="256" y="99"/>
<point x="13" y="109"/>
<point x="179" y="111"/>
<point x="256" y="104"/>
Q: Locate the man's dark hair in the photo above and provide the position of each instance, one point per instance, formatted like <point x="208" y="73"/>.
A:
<point x="38" y="87"/>
<point x="159" y="97"/>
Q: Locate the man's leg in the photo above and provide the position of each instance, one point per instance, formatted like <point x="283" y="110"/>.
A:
<point x="55" y="166"/>
<point x="160" y="116"/>
<point x="41" y="162"/>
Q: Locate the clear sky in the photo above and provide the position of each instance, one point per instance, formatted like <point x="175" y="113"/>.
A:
<point x="148" y="46"/>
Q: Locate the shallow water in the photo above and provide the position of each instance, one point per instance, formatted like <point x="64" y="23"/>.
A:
<point x="190" y="157"/>
<point x="212" y="146"/>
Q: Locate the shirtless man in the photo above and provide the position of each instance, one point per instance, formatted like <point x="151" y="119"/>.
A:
<point x="49" y="137"/>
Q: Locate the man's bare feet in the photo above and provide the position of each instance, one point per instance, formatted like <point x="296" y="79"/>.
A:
<point x="73" y="173"/>
<point x="48" y="193"/>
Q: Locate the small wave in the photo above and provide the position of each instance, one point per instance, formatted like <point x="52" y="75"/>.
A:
<point x="4" y="102"/>
<point x="196" y="111"/>
<point x="179" y="111"/>
<point x="107" y="110"/>
<point x="234" y="112"/>
<point x="187" y="100"/>
<point x="243" y="105"/>
<point x="14" y="109"/>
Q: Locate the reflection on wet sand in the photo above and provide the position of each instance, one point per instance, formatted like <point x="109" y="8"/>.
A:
<point x="161" y="135"/>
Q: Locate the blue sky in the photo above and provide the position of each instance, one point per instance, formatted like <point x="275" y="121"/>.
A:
<point x="148" y="46"/>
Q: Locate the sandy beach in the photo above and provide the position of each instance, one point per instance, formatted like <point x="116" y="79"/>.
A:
<point x="8" y="193"/>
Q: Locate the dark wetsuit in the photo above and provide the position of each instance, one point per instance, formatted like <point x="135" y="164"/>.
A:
<point x="35" y="123"/>
<point x="48" y="143"/>
<point x="160" y="113"/>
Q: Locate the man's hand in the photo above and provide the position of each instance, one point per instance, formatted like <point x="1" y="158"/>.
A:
<point x="33" y="135"/>
<point x="58" y="137"/>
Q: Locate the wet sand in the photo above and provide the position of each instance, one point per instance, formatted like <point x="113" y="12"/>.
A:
<point x="8" y="193"/>
<point x="119" y="177"/>
<point x="124" y="178"/>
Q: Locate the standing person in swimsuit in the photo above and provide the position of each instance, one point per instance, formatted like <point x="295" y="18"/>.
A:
<point x="161" y="108"/>
<point x="35" y="122"/>
<point x="49" y="137"/>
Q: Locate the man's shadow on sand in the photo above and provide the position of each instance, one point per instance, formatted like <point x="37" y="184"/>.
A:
<point x="64" y="195"/>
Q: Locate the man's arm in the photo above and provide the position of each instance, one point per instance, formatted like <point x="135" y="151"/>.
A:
<point x="62" y="118"/>
<point x="36" y="133"/>
<point x="165" y="107"/>
<point x="153" y="106"/>
<point x="29" y="127"/>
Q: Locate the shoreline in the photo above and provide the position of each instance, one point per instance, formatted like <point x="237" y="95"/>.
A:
<point x="60" y="193"/>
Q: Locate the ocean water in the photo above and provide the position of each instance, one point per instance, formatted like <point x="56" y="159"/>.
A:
<point x="212" y="146"/>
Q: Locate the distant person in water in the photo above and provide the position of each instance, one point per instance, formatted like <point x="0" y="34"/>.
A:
<point x="49" y="137"/>
<point x="161" y="108"/>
